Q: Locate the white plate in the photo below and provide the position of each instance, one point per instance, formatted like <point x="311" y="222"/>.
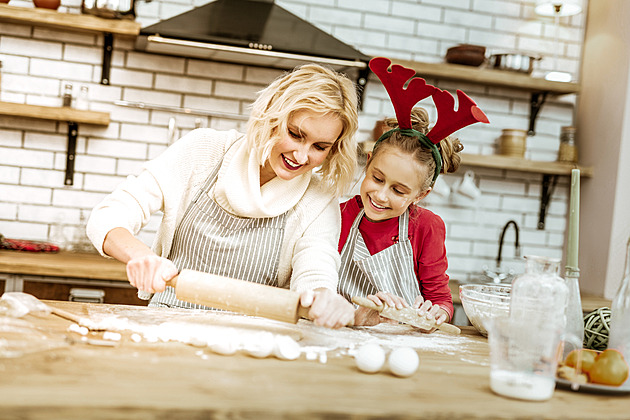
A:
<point x="595" y="388"/>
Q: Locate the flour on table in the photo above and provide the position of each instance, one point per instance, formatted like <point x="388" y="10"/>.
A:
<point x="227" y="333"/>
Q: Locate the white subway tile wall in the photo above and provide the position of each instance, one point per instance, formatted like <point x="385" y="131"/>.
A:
<point x="38" y="62"/>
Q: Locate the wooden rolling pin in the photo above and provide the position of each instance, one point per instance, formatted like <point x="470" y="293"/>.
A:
<point x="238" y="296"/>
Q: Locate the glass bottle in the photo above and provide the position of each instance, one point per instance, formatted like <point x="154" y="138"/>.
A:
<point x="67" y="95"/>
<point x="83" y="98"/>
<point x="539" y="296"/>
<point x="619" y="337"/>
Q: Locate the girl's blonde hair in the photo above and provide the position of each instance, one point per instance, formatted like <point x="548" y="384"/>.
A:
<point x="314" y="88"/>
<point x="449" y="148"/>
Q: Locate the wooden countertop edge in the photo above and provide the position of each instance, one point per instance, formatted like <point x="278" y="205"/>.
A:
<point x="62" y="264"/>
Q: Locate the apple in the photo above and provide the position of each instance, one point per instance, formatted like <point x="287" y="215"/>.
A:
<point x="588" y="359"/>
<point x="609" y="368"/>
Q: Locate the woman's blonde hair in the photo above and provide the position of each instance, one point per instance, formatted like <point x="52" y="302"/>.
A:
<point x="314" y="88"/>
<point x="449" y="148"/>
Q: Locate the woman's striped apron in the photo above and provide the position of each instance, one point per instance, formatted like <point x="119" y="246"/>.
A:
<point x="390" y="270"/>
<point x="211" y="240"/>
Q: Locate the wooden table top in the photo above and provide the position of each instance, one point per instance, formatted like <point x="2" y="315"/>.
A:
<point x="56" y="379"/>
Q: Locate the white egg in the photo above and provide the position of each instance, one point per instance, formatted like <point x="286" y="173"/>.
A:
<point x="370" y="358"/>
<point x="403" y="361"/>
<point x="286" y="348"/>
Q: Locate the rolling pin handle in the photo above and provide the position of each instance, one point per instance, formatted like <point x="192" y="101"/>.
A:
<point x="449" y="328"/>
<point x="302" y="312"/>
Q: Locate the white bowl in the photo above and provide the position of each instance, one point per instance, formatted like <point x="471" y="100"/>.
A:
<point x="482" y="302"/>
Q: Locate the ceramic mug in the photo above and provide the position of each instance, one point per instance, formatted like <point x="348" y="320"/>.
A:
<point x="467" y="186"/>
<point x="441" y="188"/>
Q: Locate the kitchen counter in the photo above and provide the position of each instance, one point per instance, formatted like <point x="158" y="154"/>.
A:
<point x="70" y="379"/>
<point x="53" y="275"/>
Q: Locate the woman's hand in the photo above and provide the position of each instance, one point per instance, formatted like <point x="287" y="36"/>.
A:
<point x="430" y="312"/>
<point x="327" y="308"/>
<point x="150" y="273"/>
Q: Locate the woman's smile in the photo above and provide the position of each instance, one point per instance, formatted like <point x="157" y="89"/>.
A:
<point x="303" y="145"/>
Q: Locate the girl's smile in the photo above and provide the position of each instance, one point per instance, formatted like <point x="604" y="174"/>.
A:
<point x="392" y="182"/>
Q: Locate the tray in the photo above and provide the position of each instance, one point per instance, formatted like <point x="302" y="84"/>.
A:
<point x="594" y="388"/>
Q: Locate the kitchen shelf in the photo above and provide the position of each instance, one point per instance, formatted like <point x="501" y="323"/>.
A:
<point x="72" y="116"/>
<point x="79" y="22"/>
<point x="491" y="77"/>
<point x="549" y="170"/>
<point x="76" y="22"/>
<point x="539" y="88"/>
<point x="524" y="165"/>
<point x="54" y="113"/>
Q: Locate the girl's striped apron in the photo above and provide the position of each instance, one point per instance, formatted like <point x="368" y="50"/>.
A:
<point x="211" y="240"/>
<point x="390" y="270"/>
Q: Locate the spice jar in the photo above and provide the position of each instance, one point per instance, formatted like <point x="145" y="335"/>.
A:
<point x="568" y="150"/>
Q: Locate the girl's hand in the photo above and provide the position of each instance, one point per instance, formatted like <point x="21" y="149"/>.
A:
<point x="368" y="317"/>
<point x="150" y="273"/>
<point x="389" y="299"/>
<point x="327" y="308"/>
<point x="429" y="311"/>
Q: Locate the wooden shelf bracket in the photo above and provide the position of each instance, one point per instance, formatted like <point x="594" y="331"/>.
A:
<point x="548" y="185"/>
<point x="73" y="132"/>
<point x="535" y="105"/>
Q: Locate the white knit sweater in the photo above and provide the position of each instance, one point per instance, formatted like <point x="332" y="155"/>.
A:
<point x="308" y="256"/>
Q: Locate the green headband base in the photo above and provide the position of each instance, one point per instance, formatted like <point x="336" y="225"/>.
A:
<point x="424" y="140"/>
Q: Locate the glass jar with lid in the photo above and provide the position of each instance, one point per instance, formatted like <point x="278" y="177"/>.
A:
<point x="568" y="149"/>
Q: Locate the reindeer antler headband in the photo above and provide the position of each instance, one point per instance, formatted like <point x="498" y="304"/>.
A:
<point x="404" y="100"/>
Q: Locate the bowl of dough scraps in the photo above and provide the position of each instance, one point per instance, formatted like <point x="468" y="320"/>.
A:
<point x="482" y="302"/>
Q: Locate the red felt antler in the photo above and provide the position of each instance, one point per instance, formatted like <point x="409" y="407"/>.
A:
<point x="394" y="82"/>
<point x="450" y="120"/>
<point x="404" y="99"/>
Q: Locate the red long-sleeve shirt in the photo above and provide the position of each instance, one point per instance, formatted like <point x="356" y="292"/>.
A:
<point x="427" y="234"/>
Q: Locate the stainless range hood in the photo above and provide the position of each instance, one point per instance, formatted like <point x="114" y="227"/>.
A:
<point x="252" y="32"/>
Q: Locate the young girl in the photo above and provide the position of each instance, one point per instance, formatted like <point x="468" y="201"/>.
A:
<point x="392" y="250"/>
<point x="246" y="206"/>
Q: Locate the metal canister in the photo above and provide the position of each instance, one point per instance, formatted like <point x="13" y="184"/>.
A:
<point x="567" y="151"/>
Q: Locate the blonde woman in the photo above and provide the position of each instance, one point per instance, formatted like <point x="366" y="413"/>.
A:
<point x="260" y="207"/>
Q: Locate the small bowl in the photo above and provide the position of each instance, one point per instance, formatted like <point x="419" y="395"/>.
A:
<point x="466" y="54"/>
<point x="482" y="302"/>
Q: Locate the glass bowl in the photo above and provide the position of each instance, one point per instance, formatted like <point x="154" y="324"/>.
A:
<point x="482" y="302"/>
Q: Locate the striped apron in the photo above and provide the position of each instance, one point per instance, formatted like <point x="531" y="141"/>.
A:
<point x="211" y="240"/>
<point x="390" y="270"/>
